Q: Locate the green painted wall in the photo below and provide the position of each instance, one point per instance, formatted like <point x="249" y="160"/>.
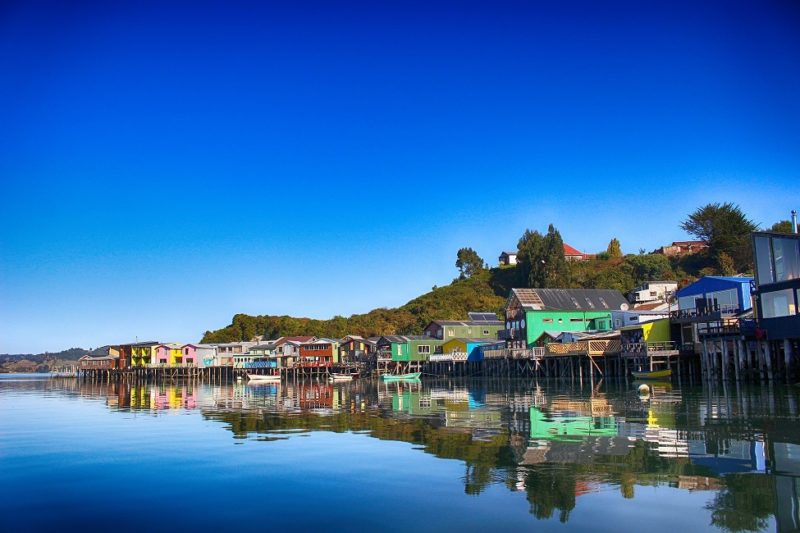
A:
<point x="471" y="332"/>
<point x="409" y="351"/>
<point x="537" y="322"/>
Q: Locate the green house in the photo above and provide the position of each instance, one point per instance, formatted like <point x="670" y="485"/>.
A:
<point x="531" y="312"/>
<point x="479" y="326"/>
<point x="409" y="348"/>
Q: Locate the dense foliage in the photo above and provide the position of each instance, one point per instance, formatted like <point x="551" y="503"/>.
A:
<point x="726" y="230"/>
<point x="469" y="263"/>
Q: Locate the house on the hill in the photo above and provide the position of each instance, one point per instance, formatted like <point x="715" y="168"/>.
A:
<point x="653" y="291"/>
<point x="531" y="312"/>
<point x="573" y="254"/>
<point x="681" y="248"/>
<point x="508" y="258"/>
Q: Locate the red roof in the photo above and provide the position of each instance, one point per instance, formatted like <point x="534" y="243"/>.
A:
<point x="569" y="250"/>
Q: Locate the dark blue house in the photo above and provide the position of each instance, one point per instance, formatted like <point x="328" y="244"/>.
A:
<point x="727" y="295"/>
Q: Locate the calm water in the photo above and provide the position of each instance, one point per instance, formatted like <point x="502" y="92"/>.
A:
<point x="447" y="455"/>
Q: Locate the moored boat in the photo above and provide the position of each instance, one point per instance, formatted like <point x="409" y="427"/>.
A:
<point x="265" y="378"/>
<point x="342" y="377"/>
<point x="401" y="377"/>
<point x="653" y="374"/>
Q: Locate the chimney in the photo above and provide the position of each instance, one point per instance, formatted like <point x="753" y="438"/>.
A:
<point x="794" y="221"/>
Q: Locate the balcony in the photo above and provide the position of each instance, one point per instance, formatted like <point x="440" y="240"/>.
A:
<point x="704" y="314"/>
<point x="590" y="348"/>
<point x="650" y="349"/>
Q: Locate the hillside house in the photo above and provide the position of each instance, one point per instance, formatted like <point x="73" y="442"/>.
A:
<point x="681" y="248"/>
<point x="654" y="291"/>
<point x="508" y="258"/>
<point x="573" y="254"/>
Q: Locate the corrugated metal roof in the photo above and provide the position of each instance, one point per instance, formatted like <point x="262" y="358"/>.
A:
<point x="571" y="299"/>
<point x="481" y="315"/>
<point x="468" y="323"/>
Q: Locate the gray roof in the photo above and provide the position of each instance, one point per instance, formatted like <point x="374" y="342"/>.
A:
<point x="406" y="338"/>
<point x="468" y="323"/>
<point x="481" y="315"/>
<point x="570" y="299"/>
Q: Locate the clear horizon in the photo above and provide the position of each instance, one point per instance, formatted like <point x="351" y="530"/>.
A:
<point x="164" y="167"/>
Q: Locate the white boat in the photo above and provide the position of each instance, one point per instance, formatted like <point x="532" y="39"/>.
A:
<point x="341" y="377"/>
<point x="265" y="378"/>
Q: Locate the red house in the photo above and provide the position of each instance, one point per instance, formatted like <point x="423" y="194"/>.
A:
<point x="571" y="254"/>
<point x="318" y="353"/>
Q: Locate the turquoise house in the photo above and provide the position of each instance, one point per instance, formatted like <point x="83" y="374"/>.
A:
<point x="532" y="312"/>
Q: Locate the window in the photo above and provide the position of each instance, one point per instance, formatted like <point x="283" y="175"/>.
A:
<point x="589" y="303"/>
<point x="777" y="304"/>
<point x="576" y="320"/>
<point x="653" y="293"/>
<point x="764" y="273"/>
<point x="547" y="320"/>
<point x="603" y="302"/>
<point x="424" y="348"/>
<point x="486" y="332"/>
<point x="450" y="333"/>
<point x="574" y="301"/>
<point x="787" y="258"/>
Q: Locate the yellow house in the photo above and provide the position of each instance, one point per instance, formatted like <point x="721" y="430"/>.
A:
<point x="652" y="331"/>
<point x="143" y="354"/>
<point x="470" y="347"/>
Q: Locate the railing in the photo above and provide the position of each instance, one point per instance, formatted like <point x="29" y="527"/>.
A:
<point x="694" y="312"/>
<point x="456" y="357"/>
<point x="650" y="348"/>
<point x="261" y="364"/>
<point x="592" y="348"/>
<point x="536" y="352"/>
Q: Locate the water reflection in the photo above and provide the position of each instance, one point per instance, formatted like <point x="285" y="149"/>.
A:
<point x="553" y="442"/>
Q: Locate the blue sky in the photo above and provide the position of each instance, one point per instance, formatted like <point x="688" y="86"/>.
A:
<point x="164" y="166"/>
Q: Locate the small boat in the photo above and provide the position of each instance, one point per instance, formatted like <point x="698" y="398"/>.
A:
<point x="401" y="377"/>
<point x="653" y="374"/>
<point x="266" y="378"/>
<point x="342" y="377"/>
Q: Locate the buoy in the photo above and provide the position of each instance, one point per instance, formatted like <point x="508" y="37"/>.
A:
<point x="644" y="392"/>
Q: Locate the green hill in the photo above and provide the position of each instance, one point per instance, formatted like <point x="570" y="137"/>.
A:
<point x="485" y="291"/>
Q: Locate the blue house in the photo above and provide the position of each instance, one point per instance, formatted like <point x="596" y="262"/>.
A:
<point x="711" y="294"/>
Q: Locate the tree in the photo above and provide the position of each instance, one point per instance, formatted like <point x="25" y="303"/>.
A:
<point x="540" y="259"/>
<point x="614" y="249"/>
<point x="784" y="226"/>
<point x="725" y="264"/>
<point x="469" y="263"/>
<point x="725" y="229"/>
